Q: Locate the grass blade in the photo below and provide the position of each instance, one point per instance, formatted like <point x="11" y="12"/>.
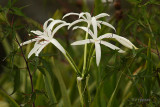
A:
<point x="12" y="102"/>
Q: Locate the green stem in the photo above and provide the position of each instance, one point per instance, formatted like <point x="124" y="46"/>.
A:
<point x="72" y="63"/>
<point x="85" y="57"/>
<point x="84" y="91"/>
<point x="91" y="54"/>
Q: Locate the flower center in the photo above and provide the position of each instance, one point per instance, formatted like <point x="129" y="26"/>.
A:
<point x="96" y="40"/>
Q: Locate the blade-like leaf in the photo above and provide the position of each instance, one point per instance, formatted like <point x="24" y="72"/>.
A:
<point x="11" y="101"/>
<point x="16" y="79"/>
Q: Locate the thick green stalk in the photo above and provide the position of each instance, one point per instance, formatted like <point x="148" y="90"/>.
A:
<point x="79" y="84"/>
<point x="84" y="91"/>
<point x="85" y="57"/>
<point x="85" y="54"/>
<point x="90" y="57"/>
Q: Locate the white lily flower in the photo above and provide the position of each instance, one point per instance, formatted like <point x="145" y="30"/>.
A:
<point x="86" y="17"/>
<point x="46" y="37"/>
<point x="98" y="40"/>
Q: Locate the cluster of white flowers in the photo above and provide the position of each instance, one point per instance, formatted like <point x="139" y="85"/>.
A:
<point x="46" y="37"/>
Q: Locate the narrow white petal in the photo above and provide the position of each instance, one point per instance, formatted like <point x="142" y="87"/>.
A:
<point x="46" y="22"/>
<point x="101" y="15"/>
<point x="94" y="24"/>
<point x="58" y="27"/>
<point x="107" y="24"/>
<point x="45" y="37"/>
<point x="37" y="32"/>
<point x="82" y="15"/>
<point x="75" y="22"/>
<point x="85" y="29"/>
<point x="88" y="16"/>
<point x="68" y="14"/>
<point x="51" y="25"/>
<point x="98" y="53"/>
<point x="108" y="35"/>
<point x="48" y="30"/>
<point x="29" y="41"/>
<point x="99" y="25"/>
<point x="58" y="45"/>
<point x="112" y="46"/>
<point x="125" y="42"/>
<point x="40" y="48"/>
<point x="35" y="48"/>
<point x="81" y="42"/>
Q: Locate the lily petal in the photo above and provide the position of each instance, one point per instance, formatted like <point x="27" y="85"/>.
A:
<point x="125" y="42"/>
<point x="51" y="25"/>
<point x="108" y="35"/>
<point x="37" y="32"/>
<point x="98" y="24"/>
<point x="75" y="22"/>
<point x="68" y="14"/>
<point x="107" y="24"/>
<point x="112" y="46"/>
<point x="58" y="27"/>
<point x="94" y="23"/>
<point x="44" y="37"/>
<point x="40" y="48"/>
<point x="81" y="42"/>
<point x="45" y="24"/>
<point x="36" y="46"/>
<point x="48" y="30"/>
<point x="101" y="15"/>
<point x="58" y="45"/>
<point x="85" y="29"/>
<point x="88" y="15"/>
<point x="82" y="15"/>
<point x="98" y="53"/>
<point x="29" y="41"/>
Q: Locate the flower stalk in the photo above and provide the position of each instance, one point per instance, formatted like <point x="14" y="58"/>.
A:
<point x="84" y="91"/>
<point x="72" y="63"/>
<point x="85" y="57"/>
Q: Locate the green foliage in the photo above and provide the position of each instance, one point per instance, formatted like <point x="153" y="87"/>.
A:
<point x="16" y="79"/>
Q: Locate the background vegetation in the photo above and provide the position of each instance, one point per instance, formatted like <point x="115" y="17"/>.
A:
<point x="130" y="79"/>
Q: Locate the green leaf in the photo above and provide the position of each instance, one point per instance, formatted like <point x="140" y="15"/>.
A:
<point x="48" y="82"/>
<point x="149" y="70"/>
<point x="18" y="12"/>
<point x="41" y="70"/>
<point x="129" y="25"/>
<point x="49" y="89"/>
<point x="97" y="7"/>
<point x="113" y="94"/>
<point x="11" y="101"/>
<point x="9" y="4"/>
<point x="57" y="15"/>
<point x="16" y="79"/>
<point x="65" y="95"/>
